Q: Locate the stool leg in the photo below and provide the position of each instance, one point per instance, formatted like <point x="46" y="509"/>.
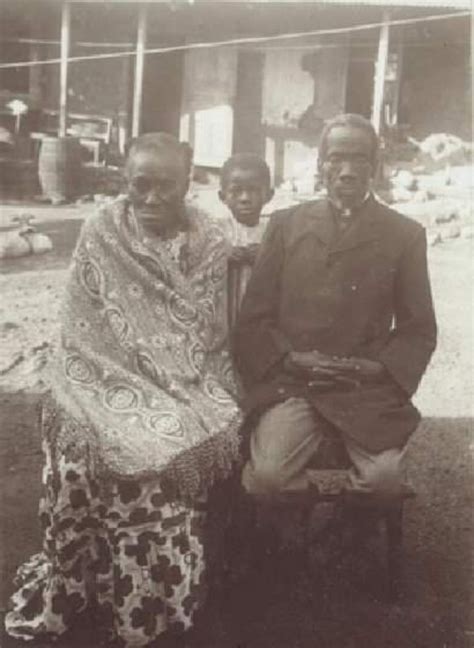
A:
<point x="394" y="537"/>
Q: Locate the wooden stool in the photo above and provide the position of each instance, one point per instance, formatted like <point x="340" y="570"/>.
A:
<point x="329" y="478"/>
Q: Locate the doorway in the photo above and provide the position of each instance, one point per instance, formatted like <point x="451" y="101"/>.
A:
<point x="162" y="88"/>
<point x="359" y="89"/>
<point x="248" y="133"/>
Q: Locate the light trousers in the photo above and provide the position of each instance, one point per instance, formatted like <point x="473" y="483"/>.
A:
<point x="285" y="440"/>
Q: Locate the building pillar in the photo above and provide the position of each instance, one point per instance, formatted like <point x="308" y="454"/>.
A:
<point x="139" y="66"/>
<point x="380" y="72"/>
<point x="63" y="71"/>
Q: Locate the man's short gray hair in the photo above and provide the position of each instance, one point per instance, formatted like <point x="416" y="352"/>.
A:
<point x="353" y="121"/>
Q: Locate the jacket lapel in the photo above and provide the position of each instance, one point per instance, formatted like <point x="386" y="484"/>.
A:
<point x="320" y="222"/>
<point x="361" y="231"/>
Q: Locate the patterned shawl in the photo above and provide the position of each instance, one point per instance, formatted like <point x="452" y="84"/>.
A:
<point x="142" y="381"/>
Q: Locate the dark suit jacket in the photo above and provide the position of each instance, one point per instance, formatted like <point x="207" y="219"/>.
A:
<point x="366" y="294"/>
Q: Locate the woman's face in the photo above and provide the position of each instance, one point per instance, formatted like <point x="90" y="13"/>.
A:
<point x="157" y="184"/>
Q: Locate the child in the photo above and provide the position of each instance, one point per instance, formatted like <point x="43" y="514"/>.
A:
<point x="245" y="189"/>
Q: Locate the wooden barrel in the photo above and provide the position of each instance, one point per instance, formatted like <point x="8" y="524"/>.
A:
<point x="59" y="168"/>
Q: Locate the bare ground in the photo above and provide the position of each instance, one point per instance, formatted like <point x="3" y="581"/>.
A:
<point x="278" y="607"/>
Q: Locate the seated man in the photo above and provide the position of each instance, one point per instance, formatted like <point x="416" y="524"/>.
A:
<point x="336" y="328"/>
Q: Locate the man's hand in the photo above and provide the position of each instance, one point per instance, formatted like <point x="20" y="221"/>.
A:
<point x="326" y="371"/>
<point x="369" y="370"/>
<point x="318" y="368"/>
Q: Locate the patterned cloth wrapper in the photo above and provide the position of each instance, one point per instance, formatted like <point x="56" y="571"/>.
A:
<point x="129" y="570"/>
<point x="140" y="421"/>
<point x="142" y="380"/>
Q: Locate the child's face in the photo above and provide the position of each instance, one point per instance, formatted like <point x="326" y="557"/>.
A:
<point x="245" y="192"/>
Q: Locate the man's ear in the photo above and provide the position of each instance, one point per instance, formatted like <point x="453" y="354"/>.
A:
<point x="221" y="195"/>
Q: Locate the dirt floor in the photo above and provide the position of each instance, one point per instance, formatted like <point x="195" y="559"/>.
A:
<point x="279" y="606"/>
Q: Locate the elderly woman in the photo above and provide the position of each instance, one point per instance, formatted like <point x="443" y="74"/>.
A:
<point x="140" y="421"/>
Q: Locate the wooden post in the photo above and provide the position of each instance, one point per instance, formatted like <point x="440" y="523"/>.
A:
<point x="65" y="45"/>
<point x="380" y="71"/>
<point x="35" y="76"/>
<point x="139" y="66"/>
<point x="398" y="82"/>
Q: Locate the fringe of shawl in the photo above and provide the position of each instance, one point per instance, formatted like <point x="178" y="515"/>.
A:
<point x="186" y="478"/>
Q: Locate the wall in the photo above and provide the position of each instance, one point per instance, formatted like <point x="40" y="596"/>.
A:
<point x="437" y="77"/>
<point x="207" y="114"/>
<point x="330" y="80"/>
<point x="162" y="88"/>
<point x="301" y="88"/>
<point x="287" y="98"/>
<point x="248" y="135"/>
<point x="99" y="87"/>
<point x="287" y="88"/>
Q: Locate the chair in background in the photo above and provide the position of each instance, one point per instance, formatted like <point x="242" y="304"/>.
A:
<point x="93" y="131"/>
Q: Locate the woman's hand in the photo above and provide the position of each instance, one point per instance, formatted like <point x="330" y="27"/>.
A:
<point x="244" y="253"/>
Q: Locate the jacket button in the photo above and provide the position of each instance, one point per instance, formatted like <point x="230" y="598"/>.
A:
<point x="281" y="391"/>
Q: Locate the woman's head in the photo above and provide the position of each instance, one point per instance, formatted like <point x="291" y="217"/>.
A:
<point x="157" y="171"/>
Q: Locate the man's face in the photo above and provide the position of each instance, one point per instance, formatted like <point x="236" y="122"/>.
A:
<point x="157" y="184"/>
<point x="245" y="192"/>
<point x="347" y="166"/>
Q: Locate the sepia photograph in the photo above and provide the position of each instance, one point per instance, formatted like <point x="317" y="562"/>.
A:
<point x="236" y="324"/>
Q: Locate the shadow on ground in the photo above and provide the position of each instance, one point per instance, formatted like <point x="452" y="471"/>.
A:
<point x="281" y="607"/>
